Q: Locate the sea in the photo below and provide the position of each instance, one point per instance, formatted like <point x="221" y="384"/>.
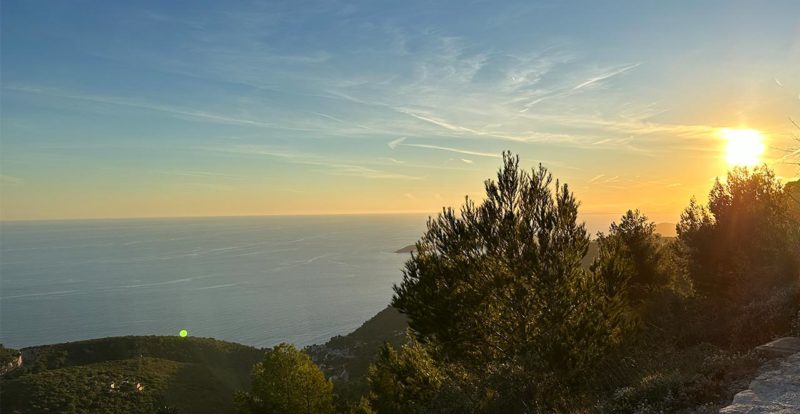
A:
<point x="258" y="281"/>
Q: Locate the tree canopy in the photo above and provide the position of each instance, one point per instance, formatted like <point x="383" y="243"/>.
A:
<point x="632" y="251"/>
<point x="499" y="290"/>
<point x="746" y="229"/>
<point x="742" y="254"/>
<point x="287" y="381"/>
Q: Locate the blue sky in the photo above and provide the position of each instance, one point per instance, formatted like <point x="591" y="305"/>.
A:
<point x="128" y="109"/>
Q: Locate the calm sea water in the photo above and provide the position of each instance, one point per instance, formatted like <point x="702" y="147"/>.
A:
<point x="254" y="280"/>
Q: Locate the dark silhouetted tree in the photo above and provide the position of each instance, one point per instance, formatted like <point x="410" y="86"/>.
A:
<point x="743" y="254"/>
<point x="792" y="190"/>
<point x="745" y="238"/>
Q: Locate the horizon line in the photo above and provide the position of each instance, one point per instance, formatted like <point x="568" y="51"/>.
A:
<point x="312" y="214"/>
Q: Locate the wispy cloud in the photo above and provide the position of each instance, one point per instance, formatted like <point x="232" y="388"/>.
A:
<point x="442" y="123"/>
<point x="332" y="167"/>
<point x="517" y="136"/>
<point x="401" y="142"/>
<point x="455" y="150"/>
<point x="181" y="112"/>
<point x="393" y="144"/>
<point x="597" y="177"/>
<point x="326" y="116"/>
<point x="606" y="75"/>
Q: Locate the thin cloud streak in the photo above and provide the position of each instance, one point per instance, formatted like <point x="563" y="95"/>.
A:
<point x="597" y="177"/>
<point x="606" y="76"/>
<point x="207" y="116"/>
<point x="455" y="150"/>
<point x="333" y="167"/>
<point x="401" y="142"/>
<point x="395" y="143"/>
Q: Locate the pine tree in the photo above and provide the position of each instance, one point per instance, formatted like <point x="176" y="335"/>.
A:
<point x="499" y="289"/>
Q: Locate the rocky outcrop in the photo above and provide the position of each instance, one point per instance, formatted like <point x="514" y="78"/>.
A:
<point x="411" y="248"/>
<point x="782" y="347"/>
<point x="775" y="390"/>
<point x="12" y="364"/>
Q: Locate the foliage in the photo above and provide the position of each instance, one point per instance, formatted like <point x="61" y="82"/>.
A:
<point x="792" y="190"/>
<point x="630" y="258"/>
<point x="191" y="375"/>
<point x="744" y="229"/>
<point x="287" y="381"/>
<point x="7" y="354"/>
<point x="741" y="252"/>
<point x="86" y="388"/>
<point x="404" y="381"/>
<point x="346" y="359"/>
<point x="500" y="291"/>
<point x="661" y="378"/>
<point x="362" y="407"/>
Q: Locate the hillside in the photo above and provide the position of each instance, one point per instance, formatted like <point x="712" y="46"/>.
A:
<point x="346" y="359"/>
<point x="185" y="375"/>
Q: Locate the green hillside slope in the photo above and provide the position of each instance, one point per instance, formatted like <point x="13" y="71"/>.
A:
<point x="184" y="375"/>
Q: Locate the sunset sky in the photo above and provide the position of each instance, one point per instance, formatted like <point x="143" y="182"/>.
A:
<point x="154" y="109"/>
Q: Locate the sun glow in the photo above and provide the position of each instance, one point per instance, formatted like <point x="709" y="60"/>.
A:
<point x="744" y="148"/>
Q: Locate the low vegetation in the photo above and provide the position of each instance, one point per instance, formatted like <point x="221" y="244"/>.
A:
<point x="185" y="375"/>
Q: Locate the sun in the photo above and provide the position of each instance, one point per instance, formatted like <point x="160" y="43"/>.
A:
<point x="744" y="148"/>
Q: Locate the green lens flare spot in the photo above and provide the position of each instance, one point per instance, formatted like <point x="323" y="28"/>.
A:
<point x="183" y="333"/>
